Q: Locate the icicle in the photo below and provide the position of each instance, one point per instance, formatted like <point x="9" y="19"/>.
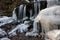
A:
<point x="31" y="17"/>
<point x="30" y="13"/>
<point x="38" y="1"/>
<point x="21" y="8"/>
<point x="24" y="12"/>
<point x="14" y="15"/>
<point x="35" y="8"/>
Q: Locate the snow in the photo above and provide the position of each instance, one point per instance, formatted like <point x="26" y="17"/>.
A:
<point x="14" y="15"/>
<point x="2" y="32"/>
<point x="5" y="38"/>
<point x="21" y="28"/>
<point x="12" y="34"/>
<point x="5" y="20"/>
<point x="54" y="34"/>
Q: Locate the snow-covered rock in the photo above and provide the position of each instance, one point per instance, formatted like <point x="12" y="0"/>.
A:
<point x="21" y="28"/>
<point x="53" y="35"/>
<point x="4" y="39"/>
<point x="5" y="20"/>
<point x="12" y="34"/>
<point x="2" y="32"/>
<point x="49" y="19"/>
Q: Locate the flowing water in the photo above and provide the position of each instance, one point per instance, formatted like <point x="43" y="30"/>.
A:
<point x="21" y="10"/>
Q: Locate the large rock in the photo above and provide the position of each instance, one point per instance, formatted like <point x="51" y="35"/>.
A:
<point x="49" y="18"/>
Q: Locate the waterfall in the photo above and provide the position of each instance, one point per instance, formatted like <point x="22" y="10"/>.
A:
<point x="30" y="13"/>
<point x="35" y="8"/>
<point x="20" y="14"/>
<point x="14" y="15"/>
<point x="24" y="12"/>
<point x="51" y="3"/>
<point x="38" y="5"/>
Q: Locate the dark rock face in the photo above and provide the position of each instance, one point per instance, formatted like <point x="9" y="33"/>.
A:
<point x="44" y="4"/>
<point x="7" y="6"/>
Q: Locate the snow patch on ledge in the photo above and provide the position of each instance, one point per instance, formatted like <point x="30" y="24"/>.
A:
<point x="5" y="20"/>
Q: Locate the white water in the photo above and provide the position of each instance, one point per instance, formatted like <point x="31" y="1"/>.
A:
<point x="20" y="14"/>
<point x="30" y="13"/>
<point x="38" y="4"/>
<point x="35" y="8"/>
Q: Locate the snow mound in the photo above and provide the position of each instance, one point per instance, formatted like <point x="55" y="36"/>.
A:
<point x="2" y="32"/>
<point x="12" y="34"/>
<point x="5" y="20"/>
<point x="21" y="28"/>
<point x="4" y="39"/>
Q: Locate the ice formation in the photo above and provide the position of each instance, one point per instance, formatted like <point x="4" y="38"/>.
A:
<point x="21" y="28"/>
<point x="2" y="32"/>
<point x="19" y="13"/>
